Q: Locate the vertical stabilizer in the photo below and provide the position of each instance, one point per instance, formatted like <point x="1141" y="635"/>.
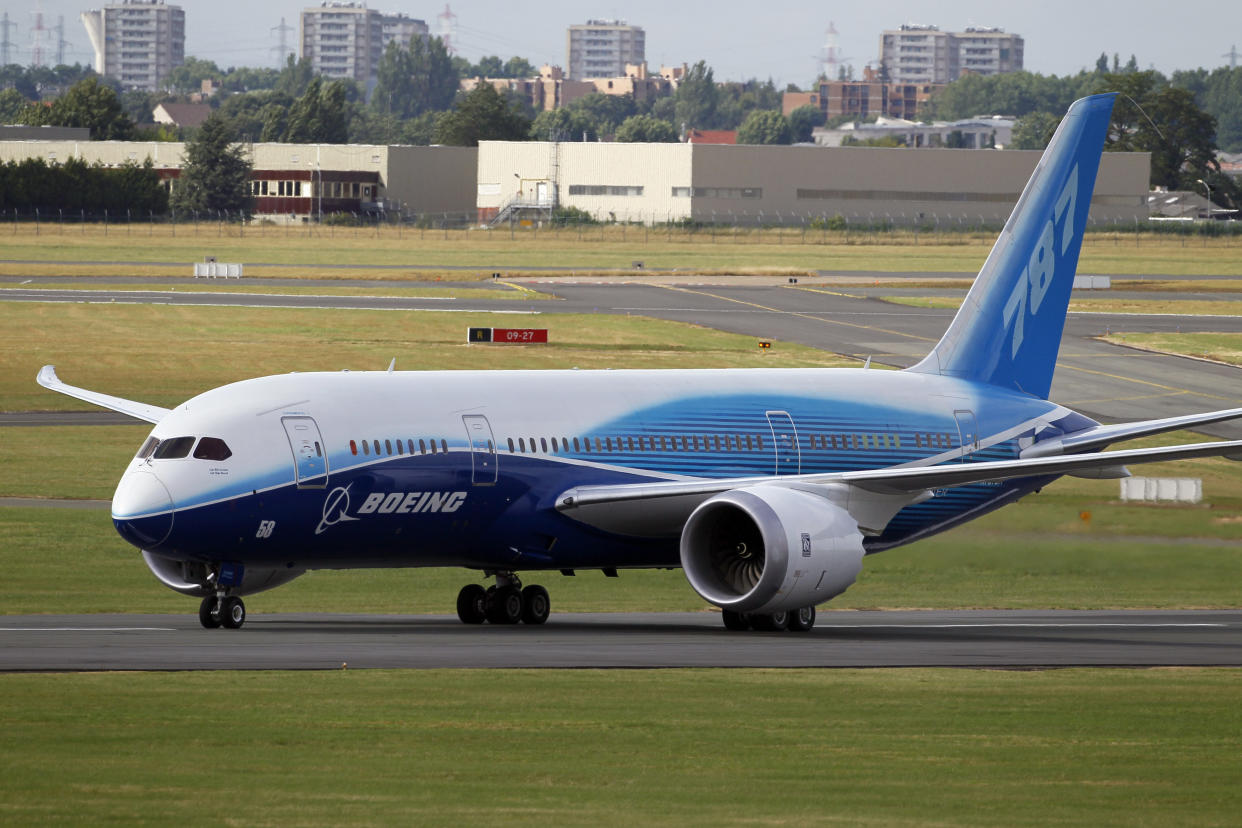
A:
<point x="1008" y="330"/>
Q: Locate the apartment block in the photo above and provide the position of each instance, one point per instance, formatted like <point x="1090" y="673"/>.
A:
<point x="603" y="48"/>
<point x="137" y="42"/>
<point x="917" y="54"/>
<point x="346" y="40"/>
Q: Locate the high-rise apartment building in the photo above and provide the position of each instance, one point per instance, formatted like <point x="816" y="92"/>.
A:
<point x="924" y="54"/>
<point x="137" y="42"/>
<point x="603" y="48"/>
<point x="347" y="40"/>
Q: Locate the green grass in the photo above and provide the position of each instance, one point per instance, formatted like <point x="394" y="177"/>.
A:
<point x="674" y="747"/>
<point x="164" y="354"/>
<point x="1221" y="347"/>
<point x="1183" y="307"/>
<point x="599" y="248"/>
<point x="233" y="286"/>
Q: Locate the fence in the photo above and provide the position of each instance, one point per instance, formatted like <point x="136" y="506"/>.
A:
<point x="757" y="228"/>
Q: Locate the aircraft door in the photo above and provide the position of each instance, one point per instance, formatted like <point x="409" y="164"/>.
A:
<point x="310" y="460"/>
<point x="967" y="431"/>
<point x="483" y="469"/>
<point x="788" y="454"/>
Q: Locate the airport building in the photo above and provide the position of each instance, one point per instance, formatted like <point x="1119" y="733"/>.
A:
<point x="138" y="42"/>
<point x="300" y="181"/>
<point x="779" y="185"/>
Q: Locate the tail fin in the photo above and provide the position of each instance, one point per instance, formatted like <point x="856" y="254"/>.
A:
<point x="1008" y="330"/>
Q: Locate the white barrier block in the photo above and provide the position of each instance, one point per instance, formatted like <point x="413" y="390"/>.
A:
<point x="1162" y="489"/>
<point x="1089" y="282"/>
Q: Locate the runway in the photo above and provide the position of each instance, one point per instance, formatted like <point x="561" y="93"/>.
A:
<point x="974" y="639"/>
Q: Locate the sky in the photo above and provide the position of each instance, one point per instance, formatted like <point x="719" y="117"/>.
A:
<point x="777" y="39"/>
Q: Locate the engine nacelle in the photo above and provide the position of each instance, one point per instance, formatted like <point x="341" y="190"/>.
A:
<point x="191" y="577"/>
<point x="767" y="548"/>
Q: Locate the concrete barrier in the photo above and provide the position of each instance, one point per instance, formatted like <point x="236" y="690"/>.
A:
<point x="1089" y="282"/>
<point x="217" y="270"/>
<point x="1157" y="489"/>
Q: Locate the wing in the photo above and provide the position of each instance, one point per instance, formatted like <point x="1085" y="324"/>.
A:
<point x="660" y="508"/>
<point x="151" y="413"/>
<point x="1101" y="436"/>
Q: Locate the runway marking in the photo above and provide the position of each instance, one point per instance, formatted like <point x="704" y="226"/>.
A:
<point x="825" y="292"/>
<point x="1054" y="625"/>
<point x="1142" y="382"/>
<point x="88" y="629"/>
<point x="812" y="317"/>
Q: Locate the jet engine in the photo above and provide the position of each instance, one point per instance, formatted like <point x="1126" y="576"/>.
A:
<point x="194" y="577"/>
<point x="766" y="549"/>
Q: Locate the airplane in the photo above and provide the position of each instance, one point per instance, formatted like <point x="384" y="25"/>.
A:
<point x="767" y="487"/>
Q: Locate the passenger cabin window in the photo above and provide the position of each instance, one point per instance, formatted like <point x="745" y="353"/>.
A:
<point x="173" y="448"/>
<point x="212" y="448"/>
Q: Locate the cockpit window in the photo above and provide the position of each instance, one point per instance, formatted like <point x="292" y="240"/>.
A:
<point x="148" y="447"/>
<point x="173" y="448"/>
<point x="212" y="448"/>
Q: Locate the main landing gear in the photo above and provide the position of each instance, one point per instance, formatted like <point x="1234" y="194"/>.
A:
<point x="505" y="603"/>
<point x="799" y="620"/>
<point x="222" y="610"/>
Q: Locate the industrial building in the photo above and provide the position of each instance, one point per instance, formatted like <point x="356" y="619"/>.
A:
<point x="346" y="39"/>
<point x="137" y="42"/>
<point x="301" y="181"/>
<point x="602" y="48"/>
<point x="771" y="185"/>
<point x="917" y="54"/>
<point x="862" y="99"/>
<point x="970" y="133"/>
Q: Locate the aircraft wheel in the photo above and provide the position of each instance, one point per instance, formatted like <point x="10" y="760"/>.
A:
<point x="208" y="612"/>
<point x="535" y="605"/>
<point x="736" y="621"/>
<point x="802" y="619"/>
<point x="776" y="622"/>
<point x="504" y="606"/>
<point x="233" y="612"/>
<point x="472" y="604"/>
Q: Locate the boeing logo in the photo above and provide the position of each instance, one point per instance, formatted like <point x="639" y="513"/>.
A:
<point x="335" y="509"/>
<point x="407" y="503"/>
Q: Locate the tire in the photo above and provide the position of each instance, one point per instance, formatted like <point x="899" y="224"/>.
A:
<point x="736" y="621"/>
<point x="472" y="604"/>
<point x="535" y="605"/>
<point x="776" y="622"/>
<point x="233" y="613"/>
<point x="504" y="606"/>
<point x="802" y="619"/>
<point x="207" y="615"/>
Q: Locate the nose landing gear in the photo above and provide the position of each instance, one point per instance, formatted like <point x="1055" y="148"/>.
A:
<point x="504" y="603"/>
<point x="221" y="610"/>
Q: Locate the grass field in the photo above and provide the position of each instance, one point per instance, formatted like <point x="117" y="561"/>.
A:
<point x="164" y="355"/>
<point x="221" y="286"/>
<point x="1181" y="307"/>
<point x="681" y="747"/>
<point x="1220" y="347"/>
<point x="591" y="249"/>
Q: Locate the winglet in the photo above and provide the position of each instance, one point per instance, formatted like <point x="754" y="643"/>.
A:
<point x="151" y="413"/>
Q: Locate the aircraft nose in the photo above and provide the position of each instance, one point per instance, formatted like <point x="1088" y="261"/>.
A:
<point x="142" y="509"/>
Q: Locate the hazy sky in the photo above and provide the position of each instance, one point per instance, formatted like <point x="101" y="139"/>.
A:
<point x="780" y="39"/>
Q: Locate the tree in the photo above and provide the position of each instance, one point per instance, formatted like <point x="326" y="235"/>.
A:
<point x="490" y="66"/>
<point x="88" y="103"/>
<point x="646" y="129"/>
<point x="563" y="125"/>
<point x="482" y="115"/>
<point x="764" y="127"/>
<point x="295" y="77"/>
<point x="415" y="80"/>
<point x="215" y="174"/>
<point x="696" y="98"/>
<point x="605" y="112"/>
<point x="189" y="76"/>
<point x="12" y="105"/>
<point x="1034" y="131"/>
<point x="1150" y="116"/>
<point x="318" y="117"/>
<point x="802" y="123"/>
<point x="519" y="67"/>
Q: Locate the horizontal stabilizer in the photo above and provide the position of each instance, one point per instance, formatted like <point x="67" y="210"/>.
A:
<point x="151" y="413"/>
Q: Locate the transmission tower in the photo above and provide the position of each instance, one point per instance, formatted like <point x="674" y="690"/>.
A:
<point x="1232" y="54"/>
<point x="61" y="43"/>
<point x="6" y="42"/>
<point x="39" y="36"/>
<point x="283" y="48"/>
<point x="448" y="28"/>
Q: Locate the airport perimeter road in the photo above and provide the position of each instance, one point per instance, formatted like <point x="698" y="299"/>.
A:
<point x="989" y="639"/>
